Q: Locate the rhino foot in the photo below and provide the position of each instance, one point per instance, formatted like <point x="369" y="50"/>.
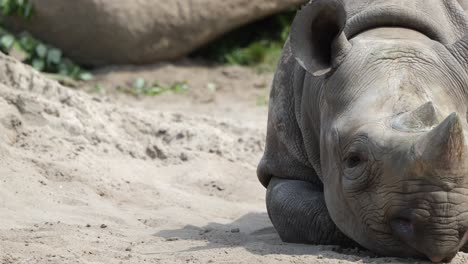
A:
<point x="298" y="212"/>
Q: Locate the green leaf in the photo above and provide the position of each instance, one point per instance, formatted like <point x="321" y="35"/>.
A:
<point x="74" y="71"/>
<point x="28" y="10"/>
<point x="7" y="7"/>
<point x="38" y="64"/>
<point x="54" y="56"/>
<point x="41" y="50"/>
<point x="98" y="88"/>
<point x="156" y="90"/>
<point x="212" y="87"/>
<point x="27" y="42"/>
<point x="285" y="33"/>
<point x="85" y="76"/>
<point x="63" y="68"/>
<point x="179" y="87"/>
<point x="7" y="41"/>
<point x="139" y="84"/>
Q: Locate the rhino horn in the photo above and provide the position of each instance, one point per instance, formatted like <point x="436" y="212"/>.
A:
<point x="423" y="118"/>
<point x="445" y="144"/>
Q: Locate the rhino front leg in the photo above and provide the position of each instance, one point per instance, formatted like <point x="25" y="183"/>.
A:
<point x="298" y="212"/>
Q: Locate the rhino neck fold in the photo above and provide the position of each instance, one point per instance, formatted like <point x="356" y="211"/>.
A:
<point x="392" y="33"/>
<point x="432" y="20"/>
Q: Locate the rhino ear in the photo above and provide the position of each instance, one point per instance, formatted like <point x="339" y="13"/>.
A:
<point x="317" y="38"/>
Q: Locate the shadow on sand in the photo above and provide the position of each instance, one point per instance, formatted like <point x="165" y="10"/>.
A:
<point x="255" y="233"/>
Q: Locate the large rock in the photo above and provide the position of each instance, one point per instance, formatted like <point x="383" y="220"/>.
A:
<point x="99" y="32"/>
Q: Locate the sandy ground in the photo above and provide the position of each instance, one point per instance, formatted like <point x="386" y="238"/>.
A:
<point x="110" y="178"/>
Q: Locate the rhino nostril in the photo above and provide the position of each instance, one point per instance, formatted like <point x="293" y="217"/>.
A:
<point x="402" y="227"/>
<point x="436" y="259"/>
<point x="446" y="259"/>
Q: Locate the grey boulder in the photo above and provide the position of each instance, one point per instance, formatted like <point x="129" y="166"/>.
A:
<point x="99" y="32"/>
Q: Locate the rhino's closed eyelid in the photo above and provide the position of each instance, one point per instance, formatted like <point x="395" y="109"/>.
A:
<point x="355" y="142"/>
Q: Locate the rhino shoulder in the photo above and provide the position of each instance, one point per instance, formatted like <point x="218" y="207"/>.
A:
<point x="285" y="154"/>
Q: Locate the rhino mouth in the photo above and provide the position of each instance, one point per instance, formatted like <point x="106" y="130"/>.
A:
<point x="396" y="16"/>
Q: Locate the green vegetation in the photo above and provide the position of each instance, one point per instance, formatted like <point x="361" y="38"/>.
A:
<point x="21" y="8"/>
<point x="142" y="87"/>
<point x="258" y="44"/>
<point x="41" y="56"/>
<point x="32" y="51"/>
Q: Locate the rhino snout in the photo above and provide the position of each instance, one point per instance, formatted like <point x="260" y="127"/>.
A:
<point x="439" y="238"/>
<point x="433" y="222"/>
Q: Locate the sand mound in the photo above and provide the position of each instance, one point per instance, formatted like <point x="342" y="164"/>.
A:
<point x="85" y="180"/>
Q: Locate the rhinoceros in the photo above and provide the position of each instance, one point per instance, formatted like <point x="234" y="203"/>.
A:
<point x="367" y="128"/>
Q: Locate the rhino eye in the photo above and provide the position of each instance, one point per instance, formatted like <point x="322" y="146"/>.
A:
<point x="354" y="159"/>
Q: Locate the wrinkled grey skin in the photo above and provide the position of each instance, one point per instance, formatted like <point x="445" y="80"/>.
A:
<point x="367" y="131"/>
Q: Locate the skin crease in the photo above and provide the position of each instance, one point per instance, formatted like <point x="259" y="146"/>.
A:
<point x="395" y="76"/>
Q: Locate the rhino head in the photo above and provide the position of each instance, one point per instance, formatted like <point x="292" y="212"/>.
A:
<point x="393" y="130"/>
